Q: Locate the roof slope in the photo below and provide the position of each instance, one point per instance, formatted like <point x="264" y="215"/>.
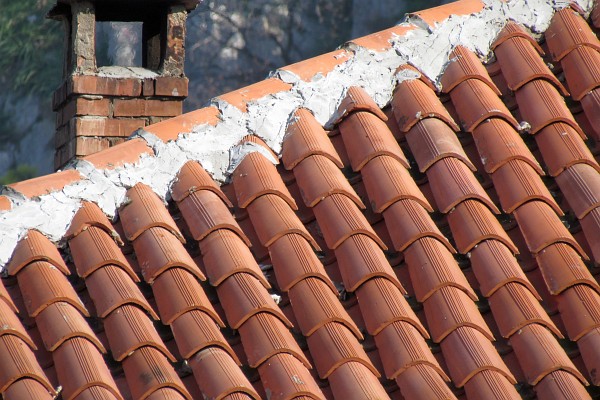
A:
<point x="435" y="248"/>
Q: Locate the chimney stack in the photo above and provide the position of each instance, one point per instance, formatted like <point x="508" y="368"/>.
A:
<point x="99" y="106"/>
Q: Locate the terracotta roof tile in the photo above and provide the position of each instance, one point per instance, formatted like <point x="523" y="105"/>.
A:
<point x="12" y="325"/>
<point x="580" y="305"/>
<point x="284" y="377"/>
<point x="192" y="178"/>
<point x="581" y="70"/>
<point x="567" y="31"/>
<point x="514" y="30"/>
<point x="464" y="64"/>
<point x="35" y="247"/>
<point x="89" y="214"/>
<point x="318" y="66"/>
<point x="588" y="348"/>
<point x="241" y="97"/>
<point x="127" y="152"/>
<point x="423" y="380"/>
<point x="559" y="384"/>
<point x="172" y="127"/>
<point x="591" y="228"/>
<point x="27" y="389"/>
<point x="46" y="184"/>
<point x="489" y="384"/>
<point x="19" y="362"/>
<point x="562" y="267"/>
<point x="358" y="100"/>
<point x="591" y="104"/>
<point x="435" y="15"/>
<point x="366" y="137"/>
<point x="580" y="184"/>
<point x="355" y="379"/>
<point x="382" y="40"/>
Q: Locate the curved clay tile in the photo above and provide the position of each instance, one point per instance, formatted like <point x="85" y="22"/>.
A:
<point x="582" y="70"/>
<point x="60" y="322"/>
<point x="158" y="250"/>
<point x="28" y="389"/>
<point x="589" y="346"/>
<point x="272" y="218"/>
<point x="530" y="216"/>
<point x="79" y="365"/>
<point x="5" y="297"/>
<point x="401" y="346"/>
<point x="217" y="374"/>
<point x="407" y="221"/>
<point x="413" y="101"/>
<point x="192" y="178"/>
<point x="539" y="354"/>
<point x="382" y="303"/>
<point x="472" y="222"/>
<point x="410" y="71"/>
<point x="256" y="176"/>
<point x="293" y="260"/>
<point x="93" y="249"/>
<point x="253" y="139"/>
<point x="475" y="102"/>
<point x="489" y="384"/>
<point x="304" y="212"/>
<point x="128" y="329"/>
<point x="18" y="362"/>
<point x="147" y="370"/>
<point x="561" y="146"/>
<point x="42" y="284"/>
<point x="468" y="352"/>
<point x="224" y="253"/>
<point x="591" y="228"/>
<point x="517" y="183"/>
<point x="315" y="305"/>
<point x="579" y="308"/>
<point x="431" y="266"/>
<point x="242" y="296"/>
<point x="360" y="259"/>
<point x="580" y="184"/>
<point x="521" y="63"/>
<point x="387" y="181"/>
<point x="285" y="377"/>
<point x="423" y="381"/>
<point x="514" y="30"/>
<point x="567" y="31"/>
<point x="35" y="247"/>
<point x="260" y="252"/>
<point x="333" y="345"/>
<point x="357" y="99"/>
<point x="515" y="307"/>
<point x="177" y="291"/>
<point x="89" y="214"/>
<point x="450" y="308"/>
<point x="540" y="105"/>
<point x="463" y="65"/>
<point x="196" y="330"/>
<point x="318" y="177"/>
<point x="110" y="287"/>
<point x="494" y="266"/>
<point x="432" y="140"/>
<point x="353" y="379"/>
<point x="306" y="137"/>
<point x="498" y="143"/>
<point x="366" y="137"/>
<point x="452" y="182"/>
<point x="10" y="324"/>
<point x="561" y="384"/>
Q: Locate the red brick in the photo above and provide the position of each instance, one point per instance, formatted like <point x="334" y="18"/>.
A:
<point x="148" y="87"/>
<point x="106" y="126"/>
<point x="82" y="106"/>
<point x="141" y="107"/>
<point x="90" y="145"/>
<point x="171" y="86"/>
<point x="102" y="85"/>
<point x="59" y="96"/>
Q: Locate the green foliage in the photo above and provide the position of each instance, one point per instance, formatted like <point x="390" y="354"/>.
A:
<point x="18" y="174"/>
<point x="31" y="47"/>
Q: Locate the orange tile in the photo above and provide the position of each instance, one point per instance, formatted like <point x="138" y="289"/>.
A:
<point x="581" y="70"/>
<point x="591" y="104"/>
<point x="464" y="64"/>
<point x="588" y="348"/>
<point x="387" y="181"/>
<point x="241" y="97"/>
<point x="562" y="146"/>
<point x="580" y="184"/>
<point x="449" y="308"/>
<point x="321" y="65"/>
<point x="259" y="142"/>
<point x="382" y="40"/>
<point x="413" y="101"/>
<point x="539" y="354"/>
<point x="476" y="102"/>
<point x="177" y="291"/>
<point x="192" y="178"/>
<point x="318" y="177"/>
<point x="147" y="370"/>
<point x="567" y="31"/>
<point x="401" y="346"/>
<point x="293" y="260"/>
<point x="515" y="307"/>
<point x="559" y="384"/>
<point x="579" y="307"/>
<point x="35" y="247"/>
<point x="256" y="176"/>
<point x="423" y="380"/>
<point x="79" y="365"/>
<point x="42" y="284"/>
<point x="498" y="143"/>
<point x="591" y="228"/>
<point x="46" y="184"/>
<point x="411" y="71"/>
<point x="11" y="325"/>
<point x="145" y="210"/>
<point x="354" y="379"/>
<point x="60" y="322"/>
<point x="514" y="30"/>
<point x="381" y="303"/>
<point x="172" y="127"/>
<point x="89" y="214"/>
<point x="437" y="15"/>
<point x="5" y="297"/>
<point x="285" y="377"/>
<point x="5" y="203"/>
<point x="18" y="361"/>
<point x="358" y="100"/>
<point x="127" y="152"/>
<point x="27" y="389"/>
<point x="521" y="63"/>
<point x="562" y="267"/>
<point x="431" y="267"/>
<point x="489" y="384"/>
<point x="305" y="137"/>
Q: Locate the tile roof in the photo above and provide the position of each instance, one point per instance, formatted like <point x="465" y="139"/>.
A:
<point x="437" y="248"/>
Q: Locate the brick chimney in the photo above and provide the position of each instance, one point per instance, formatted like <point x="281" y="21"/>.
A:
<point x="98" y="107"/>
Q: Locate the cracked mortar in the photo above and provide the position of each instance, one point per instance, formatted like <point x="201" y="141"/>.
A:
<point x="218" y="147"/>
